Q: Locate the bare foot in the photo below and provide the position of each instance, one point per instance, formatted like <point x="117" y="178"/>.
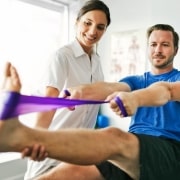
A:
<point x="11" y="79"/>
<point x="8" y="129"/>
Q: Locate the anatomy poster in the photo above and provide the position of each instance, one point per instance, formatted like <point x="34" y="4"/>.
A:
<point x="128" y="54"/>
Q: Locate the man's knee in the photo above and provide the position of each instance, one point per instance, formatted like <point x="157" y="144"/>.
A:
<point x="123" y="146"/>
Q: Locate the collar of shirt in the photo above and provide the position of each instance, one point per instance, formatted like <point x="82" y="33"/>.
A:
<point x="78" y="50"/>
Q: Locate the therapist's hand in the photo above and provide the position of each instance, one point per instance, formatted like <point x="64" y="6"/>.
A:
<point x="36" y="153"/>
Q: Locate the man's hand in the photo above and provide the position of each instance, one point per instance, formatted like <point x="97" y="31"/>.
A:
<point x="67" y="94"/>
<point x="129" y="101"/>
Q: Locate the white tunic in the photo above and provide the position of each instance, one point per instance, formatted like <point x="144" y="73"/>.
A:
<point x="69" y="67"/>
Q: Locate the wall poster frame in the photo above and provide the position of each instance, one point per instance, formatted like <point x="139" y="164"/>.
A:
<point x="128" y="53"/>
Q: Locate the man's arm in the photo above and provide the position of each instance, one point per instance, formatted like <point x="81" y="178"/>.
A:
<point x="98" y="90"/>
<point x="156" y="94"/>
<point x="175" y="89"/>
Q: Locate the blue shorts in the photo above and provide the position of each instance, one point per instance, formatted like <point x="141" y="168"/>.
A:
<point x="159" y="160"/>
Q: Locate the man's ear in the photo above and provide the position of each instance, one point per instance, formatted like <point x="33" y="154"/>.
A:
<point x="176" y="51"/>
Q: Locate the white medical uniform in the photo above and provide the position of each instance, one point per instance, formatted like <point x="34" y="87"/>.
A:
<point x="69" y="67"/>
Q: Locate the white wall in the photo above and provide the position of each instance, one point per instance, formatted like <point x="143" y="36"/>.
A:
<point x="130" y="15"/>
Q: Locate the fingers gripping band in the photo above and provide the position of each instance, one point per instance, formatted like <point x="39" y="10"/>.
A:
<point x="66" y="92"/>
<point x="121" y="106"/>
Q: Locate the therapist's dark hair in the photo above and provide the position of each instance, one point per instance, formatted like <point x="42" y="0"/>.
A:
<point x="95" y="5"/>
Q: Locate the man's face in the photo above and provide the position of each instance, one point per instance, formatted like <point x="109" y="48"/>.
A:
<point x="161" y="49"/>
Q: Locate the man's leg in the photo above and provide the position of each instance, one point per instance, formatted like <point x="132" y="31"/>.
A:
<point x="87" y="147"/>
<point x="65" y="171"/>
<point x="76" y="146"/>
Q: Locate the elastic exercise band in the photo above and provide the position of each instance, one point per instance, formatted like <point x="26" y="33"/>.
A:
<point x="13" y="104"/>
<point x="121" y="106"/>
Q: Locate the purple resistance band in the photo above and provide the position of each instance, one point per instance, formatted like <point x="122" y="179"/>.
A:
<point x="121" y="106"/>
<point x="13" y="104"/>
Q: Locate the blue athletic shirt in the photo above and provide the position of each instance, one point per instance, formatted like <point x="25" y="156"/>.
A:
<point x="161" y="121"/>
